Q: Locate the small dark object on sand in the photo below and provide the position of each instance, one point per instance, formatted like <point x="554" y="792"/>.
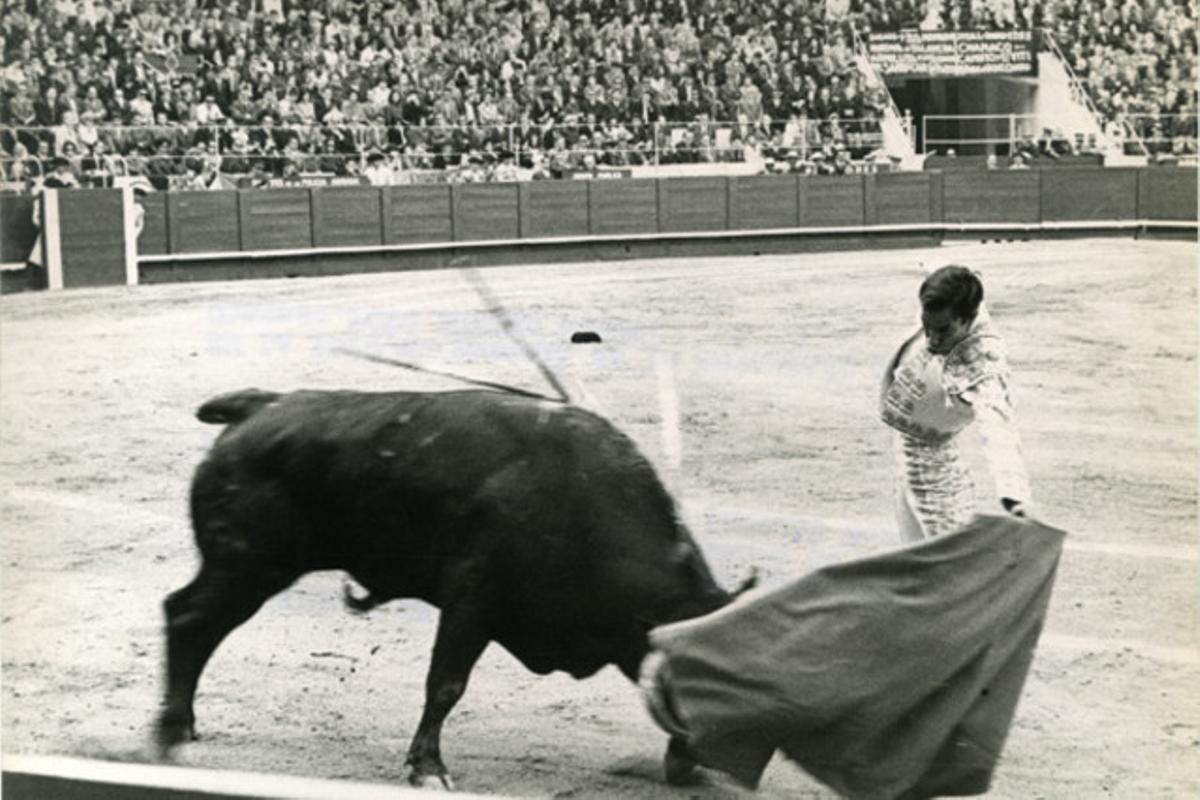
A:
<point x="585" y="337"/>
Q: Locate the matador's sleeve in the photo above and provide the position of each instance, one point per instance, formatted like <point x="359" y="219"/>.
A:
<point x="996" y="420"/>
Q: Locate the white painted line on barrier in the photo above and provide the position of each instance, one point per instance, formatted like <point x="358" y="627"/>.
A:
<point x="12" y="266"/>
<point x="51" y="240"/>
<point x="129" y="217"/>
<point x="111" y="779"/>
<point x="931" y="227"/>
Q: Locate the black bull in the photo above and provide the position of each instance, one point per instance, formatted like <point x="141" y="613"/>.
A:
<point x="530" y="523"/>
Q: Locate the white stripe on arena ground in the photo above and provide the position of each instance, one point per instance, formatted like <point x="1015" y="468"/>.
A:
<point x="62" y="777"/>
<point x="1091" y="645"/>
<point x="82" y="503"/>
<point x="1057" y="642"/>
<point x="85" y="504"/>
<point x="860" y="524"/>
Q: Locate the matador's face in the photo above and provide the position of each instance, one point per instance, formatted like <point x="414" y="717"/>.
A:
<point x="943" y="330"/>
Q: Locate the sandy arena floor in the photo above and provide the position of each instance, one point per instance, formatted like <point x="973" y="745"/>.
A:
<point x="781" y="465"/>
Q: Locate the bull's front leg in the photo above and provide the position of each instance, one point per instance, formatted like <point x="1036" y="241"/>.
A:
<point x="460" y="641"/>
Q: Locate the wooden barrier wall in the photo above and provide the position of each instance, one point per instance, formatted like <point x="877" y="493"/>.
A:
<point x="282" y="224"/>
<point x="17" y="229"/>
<point x="1089" y="194"/>
<point x="93" y="246"/>
<point x="981" y="197"/>
<point x="365" y="216"/>
<point x="1167" y="194"/>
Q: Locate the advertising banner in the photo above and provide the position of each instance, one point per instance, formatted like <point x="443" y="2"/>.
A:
<point x="952" y="54"/>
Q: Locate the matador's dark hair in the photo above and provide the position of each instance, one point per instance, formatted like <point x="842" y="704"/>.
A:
<point x="952" y="287"/>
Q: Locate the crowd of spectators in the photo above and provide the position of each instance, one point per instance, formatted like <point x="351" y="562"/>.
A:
<point x="185" y="91"/>
<point x="431" y="82"/>
<point x="1135" y="58"/>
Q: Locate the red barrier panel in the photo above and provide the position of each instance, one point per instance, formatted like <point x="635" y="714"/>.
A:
<point x="17" y="231"/>
<point x="693" y="204"/>
<point x="623" y="205"/>
<point x="554" y="208"/>
<point x="898" y="198"/>
<point x="203" y="222"/>
<point x="763" y="201"/>
<point x="1010" y="196"/>
<point x="93" y="243"/>
<point x="347" y="215"/>
<point x="1089" y="194"/>
<point x="1167" y="193"/>
<point x="485" y="211"/>
<point x="275" y="219"/>
<point x="413" y="214"/>
<point x="153" y="240"/>
<point x="831" y="200"/>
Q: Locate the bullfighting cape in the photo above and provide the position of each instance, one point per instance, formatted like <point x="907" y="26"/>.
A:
<point x="892" y="676"/>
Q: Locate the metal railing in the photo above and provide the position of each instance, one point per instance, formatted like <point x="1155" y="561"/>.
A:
<point x="875" y="80"/>
<point x="979" y="134"/>
<point x="1081" y="94"/>
<point x="21" y="169"/>
<point x="463" y="137"/>
<point x="1163" y="134"/>
<point x="430" y="147"/>
<point x="27" y="172"/>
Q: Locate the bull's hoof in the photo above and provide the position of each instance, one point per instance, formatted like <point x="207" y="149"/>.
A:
<point x="431" y="782"/>
<point x="680" y="765"/>
<point x="171" y="731"/>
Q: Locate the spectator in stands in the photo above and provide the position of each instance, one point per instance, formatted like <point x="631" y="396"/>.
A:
<point x="244" y="110"/>
<point x="141" y="110"/>
<point x="70" y="153"/>
<point x="20" y="169"/>
<point x="378" y="171"/>
<point x="61" y="176"/>
<point x="331" y="161"/>
<point x="48" y="109"/>
<point x="841" y="160"/>
<point x="208" y="112"/>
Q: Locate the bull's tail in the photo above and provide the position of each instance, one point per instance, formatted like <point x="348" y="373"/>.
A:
<point x="233" y="407"/>
<point x="360" y="605"/>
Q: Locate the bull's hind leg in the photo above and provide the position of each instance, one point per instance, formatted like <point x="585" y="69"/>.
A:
<point x="460" y="641"/>
<point x="198" y="617"/>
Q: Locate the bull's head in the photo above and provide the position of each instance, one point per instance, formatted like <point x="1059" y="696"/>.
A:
<point x="688" y="589"/>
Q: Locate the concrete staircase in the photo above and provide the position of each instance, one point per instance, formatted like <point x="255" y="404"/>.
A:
<point x="895" y="127"/>
<point x="1063" y="102"/>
